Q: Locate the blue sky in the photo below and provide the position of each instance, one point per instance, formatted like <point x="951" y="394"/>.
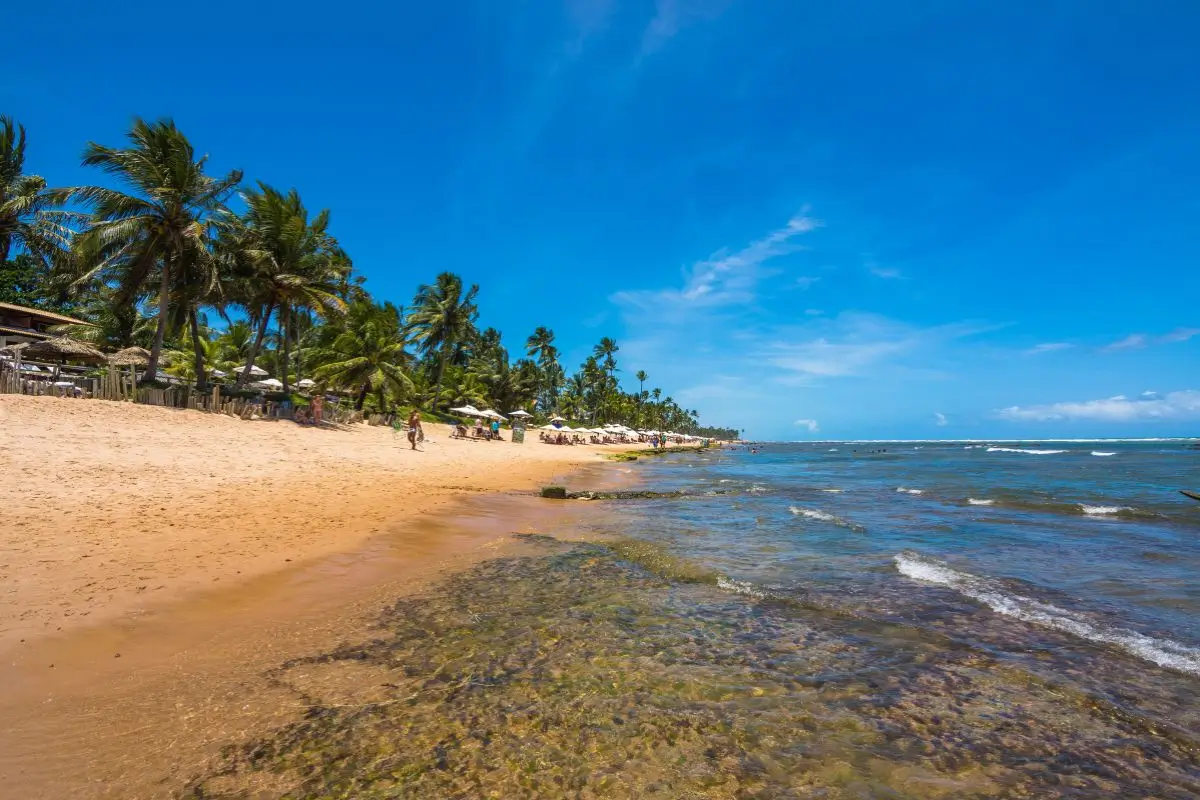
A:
<point x="813" y="220"/>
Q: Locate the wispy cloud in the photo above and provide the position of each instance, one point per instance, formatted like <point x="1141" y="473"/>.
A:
<point x="1136" y="341"/>
<point x="1180" y="335"/>
<point x="727" y="277"/>
<point x="806" y="282"/>
<point x="887" y="273"/>
<point x="1133" y="341"/>
<point x="672" y="16"/>
<point x="811" y="424"/>
<point x="1048" y="347"/>
<point x="853" y="343"/>
<point x="1182" y="405"/>
<point x="940" y="420"/>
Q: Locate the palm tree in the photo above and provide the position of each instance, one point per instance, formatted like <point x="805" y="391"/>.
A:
<point x="541" y="346"/>
<point x="366" y="349"/>
<point x="28" y="220"/>
<point x="642" y="377"/>
<point x="285" y="262"/>
<point x="605" y="352"/>
<point x="443" y="316"/>
<point x="158" y="231"/>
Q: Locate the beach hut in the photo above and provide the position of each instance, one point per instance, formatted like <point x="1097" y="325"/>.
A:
<point x="63" y="349"/>
<point x="130" y="357"/>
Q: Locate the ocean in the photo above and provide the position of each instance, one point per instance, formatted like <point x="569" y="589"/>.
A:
<point x="833" y="620"/>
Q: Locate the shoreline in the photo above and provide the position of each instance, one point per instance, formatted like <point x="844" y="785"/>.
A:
<point x="139" y="690"/>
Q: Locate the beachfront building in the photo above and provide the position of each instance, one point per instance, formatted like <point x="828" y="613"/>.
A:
<point x="20" y="324"/>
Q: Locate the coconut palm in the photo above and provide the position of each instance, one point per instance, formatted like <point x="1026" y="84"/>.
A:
<point x="157" y="230"/>
<point x="365" y="350"/>
<point x="443" y="317"/>
<point x="29" y="218"/>
<point x="285" y="263"/>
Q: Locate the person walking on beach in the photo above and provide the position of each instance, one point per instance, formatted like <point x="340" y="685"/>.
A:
<point x="414" y="428"/>
<point x="318" y="409"/>
<point x="495" y="429"/>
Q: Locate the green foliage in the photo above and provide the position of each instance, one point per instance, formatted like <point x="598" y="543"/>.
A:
<point x="146" y="261"/>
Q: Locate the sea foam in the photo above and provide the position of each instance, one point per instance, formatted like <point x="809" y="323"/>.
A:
<point x="904" y="490"/>
<point x="824" y="516"/>
<point x="1098" y="453"/>
<point x="1023" y="450"/>
<point x="972" y="501"/>
<point x="1163" y="652"/>
<point x="1097" y="511"/>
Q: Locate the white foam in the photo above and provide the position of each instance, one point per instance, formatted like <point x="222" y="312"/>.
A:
<point x="824" y="516"/>
<point x="833" y="491"/>
<point x="833" y="449"/>
<point x="1098" y="453"/>
<point x="974" y="502"/>
<point x="903" y="490"/>
<point x="1163" y="652"/>
<point x="757" y="489"/>
<point x="812" y="513"/>
<point x="1021" y="450"/>
<point x="725" y="480"/>
<point x="1102" y="510"/>
<point x="740" y="587"/>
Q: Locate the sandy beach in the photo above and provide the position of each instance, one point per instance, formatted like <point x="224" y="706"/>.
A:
<point x="155" y="559"/>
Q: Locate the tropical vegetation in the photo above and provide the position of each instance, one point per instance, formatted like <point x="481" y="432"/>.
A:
<point x="219" y="280"/>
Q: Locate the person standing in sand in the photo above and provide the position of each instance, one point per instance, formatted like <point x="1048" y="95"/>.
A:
<point x="414" y="428"/>
<point x="318" y="408"/>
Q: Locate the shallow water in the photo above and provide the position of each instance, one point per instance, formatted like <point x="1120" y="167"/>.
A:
<point x="888" y="644"/>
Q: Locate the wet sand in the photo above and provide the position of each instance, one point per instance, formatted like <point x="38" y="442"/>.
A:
<point x="155" y="563"/>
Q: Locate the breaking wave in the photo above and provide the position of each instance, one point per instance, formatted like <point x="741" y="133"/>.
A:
<point x="1098" y="511"/>
<point x="1098" y="453"/>
<point x="904" y="490"/>
<point x="824" y="516"/>
<point x="972" y="501"/>
<point x="1163" y="652"/>
<point x="1024" y="450"/>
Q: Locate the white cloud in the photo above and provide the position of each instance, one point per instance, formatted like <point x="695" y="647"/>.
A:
<point x="940" y="420"/>
<point x="851" y="343"/>
<point x="1048" y="347"/>
<point x="811" y="424"/>
<point x="725" y="278"/>
<point x="806" y="282"/>
<point x="1182" y="405"/>
<point x="887" y="273"/>
<point x="1133" y="341"/>
<point x="1180" y="335"/>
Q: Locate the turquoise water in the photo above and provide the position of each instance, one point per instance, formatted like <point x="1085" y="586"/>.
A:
<point x="899" y="621"/>
<point x="1091" y="538"/>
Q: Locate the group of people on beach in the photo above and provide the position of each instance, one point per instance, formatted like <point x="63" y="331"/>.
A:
<point x="480" y="430"/>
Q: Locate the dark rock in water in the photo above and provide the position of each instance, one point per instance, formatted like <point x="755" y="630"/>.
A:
<point x="555" y="492"/>
<point x="1192" y="495"/>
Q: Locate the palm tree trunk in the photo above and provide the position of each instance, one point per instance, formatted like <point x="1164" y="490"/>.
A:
<point x="160" y="331"/>
<point x="362" y="396"/>
<point x="285" y="319"/>
<point x="382" y="397"/>
<point x="201" y="375"/>
<point x="437" y="390"/>
<point x="5" y="243"/>
<point x="258" y="340"/>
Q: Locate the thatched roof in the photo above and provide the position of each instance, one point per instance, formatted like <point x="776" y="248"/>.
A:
<point x="130" y="356"/>
<point x="62" y="348"/>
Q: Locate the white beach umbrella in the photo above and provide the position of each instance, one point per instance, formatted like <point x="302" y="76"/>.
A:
<point x="306" y="383"/>
<point x="271" y="383"/>
<point x="472" y="410"/>
<point x="216" y="373"/>
<point x="549" y="428"/>
<point x="255" y="372"/>
<point x="519" y="413"/>
<point x="492" y="414"/>
<point x="557" y="419"/>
